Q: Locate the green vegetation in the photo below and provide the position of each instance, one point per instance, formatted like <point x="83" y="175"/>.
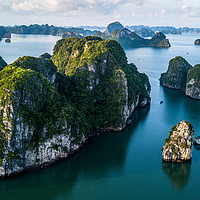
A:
<point x="194" y="73"/>
<point x="61" y="53"/>
<point x="176" y="75"/>
<point x="43" y="64"/>
<point x="92" y="83"/>
<point x="184" y="145"/>
<point x="174" y="138"/>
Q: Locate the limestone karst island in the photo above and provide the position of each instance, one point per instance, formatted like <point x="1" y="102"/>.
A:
<point x="51" y="105"/>
<point x="99" y="100"/>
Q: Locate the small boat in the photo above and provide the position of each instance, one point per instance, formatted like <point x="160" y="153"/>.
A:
<point x="197" y="140"/>
<point x="129" y="121"/>
<point x="161" y="102"/>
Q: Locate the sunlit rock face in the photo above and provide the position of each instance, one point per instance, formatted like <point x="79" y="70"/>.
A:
<point x="178" y="146"/>
<point x="193" y="83"/>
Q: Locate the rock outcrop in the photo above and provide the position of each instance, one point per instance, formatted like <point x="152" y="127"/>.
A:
<point x="8" y="40"/>
<point x="129" y="39"/>
<point x="47" y="115"/>
<point x="193" y="82"/>
<point x="113" y="26"/>
<point x="2" y="63"/>
<point x="159" y="40"/>
<point x="69" y="34"/>
<point x="4" y="33"/>
<point x="176" y="75"/>
<point x="178" y="146"/>
<point x="197" y="42"/>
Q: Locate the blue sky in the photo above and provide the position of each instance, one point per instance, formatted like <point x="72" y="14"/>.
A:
<point x="100" y="12"/>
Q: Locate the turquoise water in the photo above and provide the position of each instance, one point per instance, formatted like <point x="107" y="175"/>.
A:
<point x="27" y="45"/>
<point x="127" y="165"/>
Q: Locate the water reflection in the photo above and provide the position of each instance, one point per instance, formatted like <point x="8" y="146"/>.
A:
<point x="197" y="147"/>
<point x="102" y="157"/>
<point x="178" y="173"/>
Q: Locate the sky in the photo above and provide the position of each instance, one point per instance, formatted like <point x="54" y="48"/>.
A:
<point x="176" y="13"/>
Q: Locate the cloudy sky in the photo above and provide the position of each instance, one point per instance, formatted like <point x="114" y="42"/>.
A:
<point x="100" y="12"/>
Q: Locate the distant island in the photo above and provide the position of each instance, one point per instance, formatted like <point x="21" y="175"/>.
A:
<point x="127" y="36"/>
<point x="130" y="39"/>
<point x="45" y="29"/>
<point x="197" y="42"/>
<point x="51" y="105"/>
<point x="4" y="33"/>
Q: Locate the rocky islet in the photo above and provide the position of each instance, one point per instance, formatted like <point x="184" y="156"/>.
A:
<point x="179" y="144"/>
<point x="51" y="105"/>
<point x="197" y="42"/>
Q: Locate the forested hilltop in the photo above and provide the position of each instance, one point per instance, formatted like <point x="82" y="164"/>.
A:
<point x="45" y="29"/>
<point x="50" y="105"/>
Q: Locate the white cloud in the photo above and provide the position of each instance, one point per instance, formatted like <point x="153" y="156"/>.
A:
<point x="189" y="11"/>
<point x="25" y="6"/>
<point x="117" y="16"/>
<point x="66" y="5"/>
<point x="185" y="7"/>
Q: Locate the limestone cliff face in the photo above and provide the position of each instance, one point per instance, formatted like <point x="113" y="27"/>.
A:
<point x="178" y="146"/>
<point x="176" y="75"/>
<point x="36" y="128"/>
<point x="46" y="115"/>
<point x="193" y="82"/>
<point x="99" y="69"/>
<point x="2" y="63"/>
<point x="159" y="40"/>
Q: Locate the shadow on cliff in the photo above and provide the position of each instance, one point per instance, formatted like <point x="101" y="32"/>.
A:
<point x="100" y="156"/>
<point x="178" y="173"/>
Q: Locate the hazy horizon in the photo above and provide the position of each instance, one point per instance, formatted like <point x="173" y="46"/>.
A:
<point x="177" y="13"/>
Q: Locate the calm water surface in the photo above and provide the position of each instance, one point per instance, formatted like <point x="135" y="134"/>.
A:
<point x="27" y="45"/>
<point x="118" y="166"/>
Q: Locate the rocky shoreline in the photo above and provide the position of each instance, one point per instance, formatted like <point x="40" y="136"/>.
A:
<point x="77" y="148"/>
<point x="58" y="102"/>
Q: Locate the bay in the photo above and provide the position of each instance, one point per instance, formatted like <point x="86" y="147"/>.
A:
<point x="125" y="165"/>
<point x="26" y="45"/>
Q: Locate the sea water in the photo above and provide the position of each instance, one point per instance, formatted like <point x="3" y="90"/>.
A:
<point x="120" y="166"/>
